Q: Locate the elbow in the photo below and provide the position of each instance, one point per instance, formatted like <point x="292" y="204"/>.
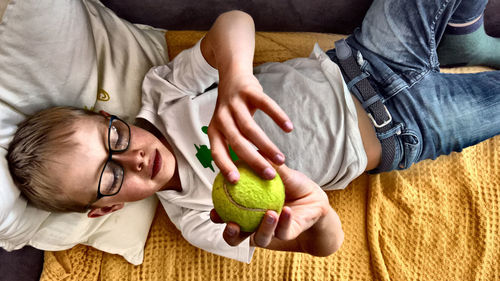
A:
<point x="235" y="16"/>
<point x="237" y="13"/>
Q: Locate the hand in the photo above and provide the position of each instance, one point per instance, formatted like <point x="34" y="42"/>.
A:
<point x="240" y="96"/>
<point x="306" y="207"/>
<point x="229" y="46"/>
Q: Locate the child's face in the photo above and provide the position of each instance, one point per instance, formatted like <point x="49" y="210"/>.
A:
<point x="80" y="169"/>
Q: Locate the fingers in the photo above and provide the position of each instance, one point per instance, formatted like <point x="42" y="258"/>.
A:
<point x="214" y="217"/>
<point x="265" y="232"/>
<point x="273" y="110"/>
<point x="285" y="221"/>
<point x="297" y="185"/>
<point x="243" y="147"/>
<point x="243" y="114"/>
<point x="233" y="125"/>
<point x="252" y="131"/>
<point x="220" y="154"/>
<point x="232" y="234"/>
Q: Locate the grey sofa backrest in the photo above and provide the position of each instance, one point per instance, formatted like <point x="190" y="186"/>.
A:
<point x="332" y="16"/>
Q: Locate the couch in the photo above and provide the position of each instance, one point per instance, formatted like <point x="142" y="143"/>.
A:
<point x="373" y="209"/>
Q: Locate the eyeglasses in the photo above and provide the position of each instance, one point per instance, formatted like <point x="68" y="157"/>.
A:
<point x="111" y="179"/>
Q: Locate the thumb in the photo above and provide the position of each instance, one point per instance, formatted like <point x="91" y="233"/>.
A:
<point x="283" y="170"/>
<point x="292" y="179"/>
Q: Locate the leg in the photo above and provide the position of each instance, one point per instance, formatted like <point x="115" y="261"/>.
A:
<point x="433" y="113"/>
<point x="465" y="42"/>
<point x="405" y="33"/>
<point x="447" y="112"/>
<point x="468" y="11"/>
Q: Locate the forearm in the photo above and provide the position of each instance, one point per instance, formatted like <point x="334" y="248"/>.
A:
<point x="230" y="43"/>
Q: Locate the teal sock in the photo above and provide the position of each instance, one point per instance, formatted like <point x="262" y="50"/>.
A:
<point x="463" y="46"/>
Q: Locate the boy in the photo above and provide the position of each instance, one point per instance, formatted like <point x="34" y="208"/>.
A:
<point x="177" y="167"/>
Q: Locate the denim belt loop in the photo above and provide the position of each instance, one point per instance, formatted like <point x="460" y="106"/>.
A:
<point x="359" y="85"/>
<point x="396" y="130"/>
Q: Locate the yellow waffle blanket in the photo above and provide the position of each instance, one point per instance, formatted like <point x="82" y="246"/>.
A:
<point x="438" y="220"/>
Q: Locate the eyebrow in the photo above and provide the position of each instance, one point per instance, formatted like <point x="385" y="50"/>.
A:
<point x="103" y="135"/>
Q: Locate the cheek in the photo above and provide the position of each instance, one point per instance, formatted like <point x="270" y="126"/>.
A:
<point x="134" y="189"/>
<point x="141" y="136"/>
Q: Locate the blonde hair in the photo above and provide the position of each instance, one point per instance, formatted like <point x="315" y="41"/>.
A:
<point x="36" y="142"/>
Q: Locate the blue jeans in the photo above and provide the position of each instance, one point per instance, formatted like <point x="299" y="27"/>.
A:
<point x="433" y="113"/>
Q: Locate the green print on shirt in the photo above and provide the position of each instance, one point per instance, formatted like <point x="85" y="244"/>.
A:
<point x="204" y="154"/>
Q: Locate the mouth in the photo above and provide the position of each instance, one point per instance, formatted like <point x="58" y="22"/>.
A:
<point x="156" y="164"/>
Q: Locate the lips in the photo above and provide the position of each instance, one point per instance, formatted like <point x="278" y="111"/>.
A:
<point x="156" y="164"/>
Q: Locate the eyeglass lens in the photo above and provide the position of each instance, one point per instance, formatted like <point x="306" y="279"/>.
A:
<point x="118" y="141"/>
<point x="112" y="178"/>
<point x="118" y="136"/>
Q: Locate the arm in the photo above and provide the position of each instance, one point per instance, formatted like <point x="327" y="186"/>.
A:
<point x="307" y="223"/>
<point x="229" y="47"/>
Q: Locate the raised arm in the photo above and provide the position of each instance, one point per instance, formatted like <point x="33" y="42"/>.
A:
<point x="229" y="47"/>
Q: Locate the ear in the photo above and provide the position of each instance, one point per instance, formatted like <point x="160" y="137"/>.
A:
<point x="101" y="211"/>
<point x="104" y="113"/>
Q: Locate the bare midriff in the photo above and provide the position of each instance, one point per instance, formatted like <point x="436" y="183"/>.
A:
<point x="371" y="143"/>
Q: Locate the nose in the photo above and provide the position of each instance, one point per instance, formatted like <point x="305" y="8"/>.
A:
<point x="131" y="159"/>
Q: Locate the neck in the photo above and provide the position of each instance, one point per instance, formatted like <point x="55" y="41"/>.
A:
<point x="174" y="183"/>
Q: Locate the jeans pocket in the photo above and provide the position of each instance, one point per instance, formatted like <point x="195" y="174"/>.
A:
<point x="412" y="147"/>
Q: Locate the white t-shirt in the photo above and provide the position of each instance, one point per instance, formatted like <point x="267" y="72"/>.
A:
<point x="175" y="100"/>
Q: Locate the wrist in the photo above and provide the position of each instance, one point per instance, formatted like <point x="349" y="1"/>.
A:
<point x="207" y="52"/>
<point x="324" y="237"/>
<point x="332" y="234"/>
<point x="233" y="67"/>
<point x="324" y="222"/>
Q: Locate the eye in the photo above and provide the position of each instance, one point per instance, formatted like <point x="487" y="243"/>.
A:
<point x="117" y="180"/>
<point x="112" y="179"/>
<point x="114" y="136"/>
<point x="119" y="135"/>
<point x="116" y="139"/>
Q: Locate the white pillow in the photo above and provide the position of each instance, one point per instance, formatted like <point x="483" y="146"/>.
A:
<point x="78" y="53"/>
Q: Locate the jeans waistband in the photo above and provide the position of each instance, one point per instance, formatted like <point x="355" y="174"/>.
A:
<point x="358" y="84"/>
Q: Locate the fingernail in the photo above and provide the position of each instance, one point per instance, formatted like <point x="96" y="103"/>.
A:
<point x="288" y="126"/>
<point x="285" y="215"/>
<point x="269" y="220"/>
<point x="269" y="173"/>
<point x="230" y="231"/>
<point x="233" y="177"/>
<point x="279" y="159"/>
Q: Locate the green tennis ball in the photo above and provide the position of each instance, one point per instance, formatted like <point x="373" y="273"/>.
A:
<point x="246" y="202"/>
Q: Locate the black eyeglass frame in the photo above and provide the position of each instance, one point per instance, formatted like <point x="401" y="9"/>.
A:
<point x="110" y="159"/>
